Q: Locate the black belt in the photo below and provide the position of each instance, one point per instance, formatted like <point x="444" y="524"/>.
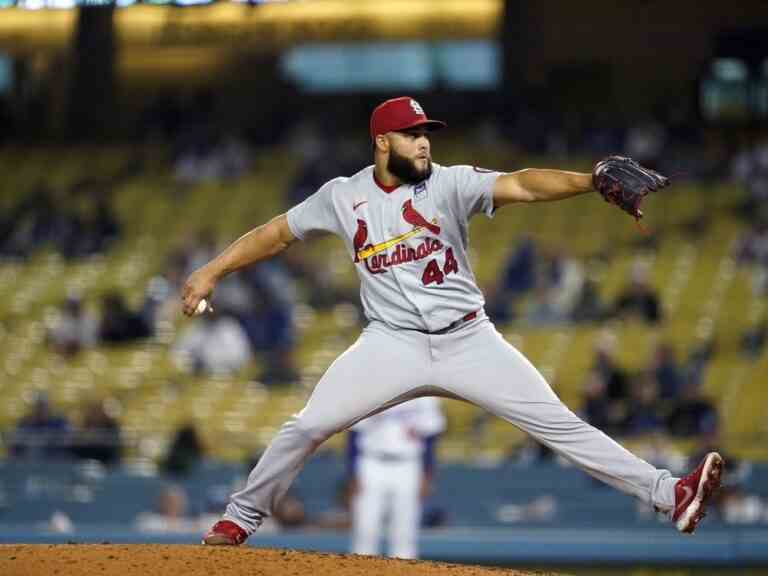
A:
<point x="452" y="325"/>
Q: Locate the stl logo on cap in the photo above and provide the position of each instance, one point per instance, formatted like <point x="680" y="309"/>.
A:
<point x="400" y="114"/>
<point x="417" y="107"/>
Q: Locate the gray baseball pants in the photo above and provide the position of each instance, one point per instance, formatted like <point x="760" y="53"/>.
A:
<point x="473" y="362"/>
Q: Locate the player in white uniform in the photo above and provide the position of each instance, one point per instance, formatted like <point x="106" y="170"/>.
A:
<point x="404" y="222"/>
<point x="392" y="460"/>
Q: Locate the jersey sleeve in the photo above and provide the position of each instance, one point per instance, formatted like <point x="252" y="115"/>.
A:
<point x="315" y="215"/>
<point x="471" y="190"/>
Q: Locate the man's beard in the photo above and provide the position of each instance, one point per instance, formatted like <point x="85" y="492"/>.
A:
<point x="406" y="170"/>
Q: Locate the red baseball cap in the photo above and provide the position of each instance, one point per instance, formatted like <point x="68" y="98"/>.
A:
<point x="400" y="114"/>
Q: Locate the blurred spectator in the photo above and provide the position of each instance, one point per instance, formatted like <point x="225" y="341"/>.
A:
<point x="118" y="323"/>
<point x="693" y="414"/>
<point x="198" y="250"/>
<point x="41" y="433"/>
<point x="598" y="408"/>
<point x="608" y="367"/>
<point x="563" y="279"/>
<point x="169" y="513"/>
<point x="329" y="283"/>
<point x="71" y="329"/>
<point x="98" y="437"/>
<point x="518" y="276"/>
<point x="639" y="299"/>
<point x="280" y="368"/>
<point x="30" y="223"/>
<point x="94" y="226"/>
<point x="541" y="310"/>
<point x="269" y="323"/>
<point x="588" y="306"/>
<point x="162" y="302"/>
<point x="235" y="294"/>
<point x="559" y="280"/>
<point x="277" y="280"/>
<point x="214" y="344"/>
<point x="76" y="222"/>
<point x="643" y="411"/>
<point x="185" y="452"/>
<point x="753" y="340"/>
<point x="666" y="371"/>
<point x="305" y="270"/>
<point x="258" y="300"/>
<point x="698" y="358"/>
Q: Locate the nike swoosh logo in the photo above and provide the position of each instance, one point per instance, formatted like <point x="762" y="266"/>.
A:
<point x="356" y="206"/>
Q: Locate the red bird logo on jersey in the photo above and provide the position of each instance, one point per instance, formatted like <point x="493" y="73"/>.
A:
<point x="358" y="241"/>
<point x="377" y="257"/>
<point x="411" y="216"/>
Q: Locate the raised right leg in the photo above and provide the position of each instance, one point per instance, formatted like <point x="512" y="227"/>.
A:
<point x="381" y="369"/>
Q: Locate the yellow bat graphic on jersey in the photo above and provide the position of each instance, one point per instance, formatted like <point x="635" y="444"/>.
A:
<point x="381" y="246"/>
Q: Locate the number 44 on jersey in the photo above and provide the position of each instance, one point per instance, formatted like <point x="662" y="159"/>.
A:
<point x="432" y="272"/>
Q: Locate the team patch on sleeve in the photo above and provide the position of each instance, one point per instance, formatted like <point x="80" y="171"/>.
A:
<point x="419" y="191"/>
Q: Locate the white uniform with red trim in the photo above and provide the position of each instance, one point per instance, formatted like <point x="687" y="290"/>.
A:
<point x="427" y="335"/>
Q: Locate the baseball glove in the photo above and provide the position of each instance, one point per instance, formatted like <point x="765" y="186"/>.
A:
<point x="622" y="181"/>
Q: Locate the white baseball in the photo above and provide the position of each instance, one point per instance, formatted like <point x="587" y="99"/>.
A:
<point x="202" y="307"/>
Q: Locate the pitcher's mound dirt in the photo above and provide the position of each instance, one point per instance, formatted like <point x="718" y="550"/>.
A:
<point x="146" y="560"/>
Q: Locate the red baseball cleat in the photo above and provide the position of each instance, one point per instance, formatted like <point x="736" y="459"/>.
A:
<point x="225" y="533"/>
<point x="693" y="491"/>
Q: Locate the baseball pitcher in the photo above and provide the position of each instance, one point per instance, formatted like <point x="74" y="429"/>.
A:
<point x="404" y="222"/>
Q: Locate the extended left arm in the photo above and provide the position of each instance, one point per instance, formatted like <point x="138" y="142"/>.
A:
<point x="539" y="185"/>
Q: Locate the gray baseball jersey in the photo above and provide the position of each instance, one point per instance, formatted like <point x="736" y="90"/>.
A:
<point x="409" y="244"/>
